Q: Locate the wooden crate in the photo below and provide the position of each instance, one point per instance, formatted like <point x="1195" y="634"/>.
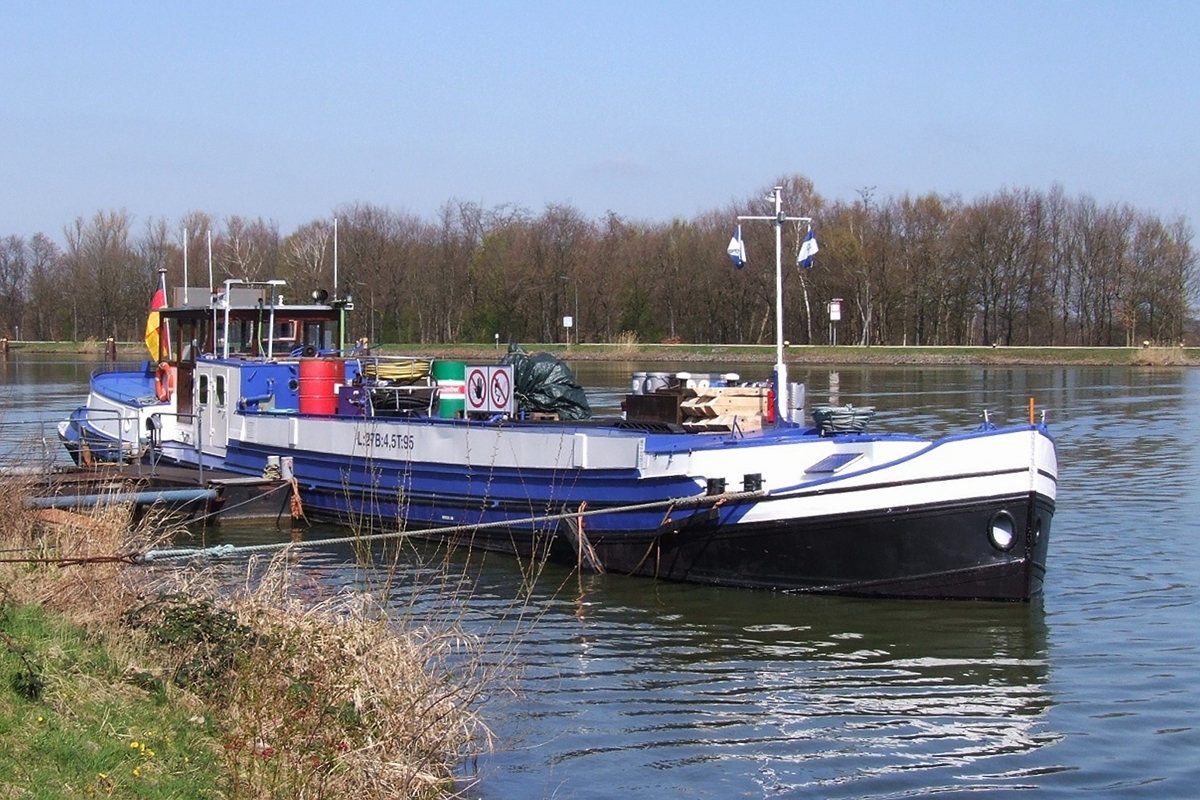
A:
<point x="662" y="406"/>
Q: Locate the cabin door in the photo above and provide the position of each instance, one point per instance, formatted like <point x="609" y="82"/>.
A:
<point x="215" y="388"/>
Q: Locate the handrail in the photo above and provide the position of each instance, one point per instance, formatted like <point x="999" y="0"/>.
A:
<point x="47" y="458"/>
<point x="122" y="417"/>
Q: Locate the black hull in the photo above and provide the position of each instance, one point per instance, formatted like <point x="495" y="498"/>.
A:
<point x="935" y="552"/>
<point x="940" y="551"/>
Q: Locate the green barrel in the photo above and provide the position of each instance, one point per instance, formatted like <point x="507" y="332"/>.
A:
<point x="451" y="380"/>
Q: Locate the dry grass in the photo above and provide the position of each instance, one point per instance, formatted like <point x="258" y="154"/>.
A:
<point x="327" y="698"/>
<point x="307" y="695"/>
<point x="627" y="342"/>
<point x="1160" y="357"/>
<point x="70" y="566"/>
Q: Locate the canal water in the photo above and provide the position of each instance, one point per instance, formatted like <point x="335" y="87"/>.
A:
<point x="610" y="685"/>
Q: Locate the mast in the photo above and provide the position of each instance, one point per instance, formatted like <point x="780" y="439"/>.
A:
<point x="781" y="379"/>
<point x="212" y="287"/>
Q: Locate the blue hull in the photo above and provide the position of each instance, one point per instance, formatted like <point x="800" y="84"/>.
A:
<point x="87" y="445"/>
<point x="918" y="551"/>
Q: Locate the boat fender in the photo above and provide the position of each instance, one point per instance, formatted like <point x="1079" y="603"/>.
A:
<point x="164" y="381"/>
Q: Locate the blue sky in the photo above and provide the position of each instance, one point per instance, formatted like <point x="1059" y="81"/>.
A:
<point x="652" y="110"/>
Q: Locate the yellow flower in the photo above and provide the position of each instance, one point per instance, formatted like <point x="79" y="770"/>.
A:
<point x="137" y="772"/>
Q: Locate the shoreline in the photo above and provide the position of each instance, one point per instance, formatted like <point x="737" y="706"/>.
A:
<point x="796" y="354"/>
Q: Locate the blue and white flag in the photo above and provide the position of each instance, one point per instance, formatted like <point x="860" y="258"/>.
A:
<point x="737" y="249"/>
<point x="808" y="249"/>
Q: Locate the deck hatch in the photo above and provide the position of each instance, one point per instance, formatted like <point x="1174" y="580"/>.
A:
<point x="833" y="463"/>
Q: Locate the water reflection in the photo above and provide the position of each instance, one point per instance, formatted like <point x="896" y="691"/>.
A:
<point x="35" y="393"/>
<point x="802" y="692"/>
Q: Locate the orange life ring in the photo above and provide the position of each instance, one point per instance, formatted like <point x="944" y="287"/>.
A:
<point x="164" y="381"/>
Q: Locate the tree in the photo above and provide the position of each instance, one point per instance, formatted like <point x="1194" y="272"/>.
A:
<point x="308" y="258"/>
<point x="248" y="249"/>
<point x="14" y="284"/>
<point x="48" y="310"/>
<point x="106" y="272"/>
<point x="1015" y="267"/>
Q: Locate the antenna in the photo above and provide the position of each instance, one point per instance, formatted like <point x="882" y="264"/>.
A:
<point x="210" y="269"/>
<point x="185" y="278"/>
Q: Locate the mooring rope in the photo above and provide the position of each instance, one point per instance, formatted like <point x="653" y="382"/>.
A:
<point x="220" y="551"/>
<point x="73" y="561"/>
<point x="228" y="550"/>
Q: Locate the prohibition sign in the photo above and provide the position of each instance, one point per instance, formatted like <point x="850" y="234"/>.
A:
<point x="476" y="389"/>
<point x="501" y="389"/>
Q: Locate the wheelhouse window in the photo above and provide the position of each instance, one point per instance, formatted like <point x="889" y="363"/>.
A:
<point x="319" y="335"/>
<point x="241" y="337"/>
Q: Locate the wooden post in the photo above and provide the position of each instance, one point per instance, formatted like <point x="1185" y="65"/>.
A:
<point x="110" y="350"/>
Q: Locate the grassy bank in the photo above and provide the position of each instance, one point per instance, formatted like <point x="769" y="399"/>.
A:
<point x="1148" y="356"/>
<point x="700" y="353"/>
<point x="78" y="718"/>
<point x="123" y="680"/>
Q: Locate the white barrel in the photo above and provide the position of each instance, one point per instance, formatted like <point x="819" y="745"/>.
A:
<point x="656" y="381"/>
<point x="796" y="402"/>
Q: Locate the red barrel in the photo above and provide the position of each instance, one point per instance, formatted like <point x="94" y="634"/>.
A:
<point x="319" y="379"/>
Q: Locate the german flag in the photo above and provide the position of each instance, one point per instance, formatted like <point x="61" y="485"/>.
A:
<point x="157" y="340"/>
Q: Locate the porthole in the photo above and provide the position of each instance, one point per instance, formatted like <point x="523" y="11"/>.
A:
<point x="1002" y="531"/>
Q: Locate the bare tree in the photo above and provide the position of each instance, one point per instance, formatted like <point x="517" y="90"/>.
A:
<point x="105" y="272"/>
<point x="308" y="254"/>
<point x="48" y="311"/>
<point x="14" y="283"/>
<point x="248" y="249"/>
<point x="1015" y="267"/>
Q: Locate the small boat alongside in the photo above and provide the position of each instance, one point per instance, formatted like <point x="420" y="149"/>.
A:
<point x="113" y="426"/>
<point x="704" y="479"/>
